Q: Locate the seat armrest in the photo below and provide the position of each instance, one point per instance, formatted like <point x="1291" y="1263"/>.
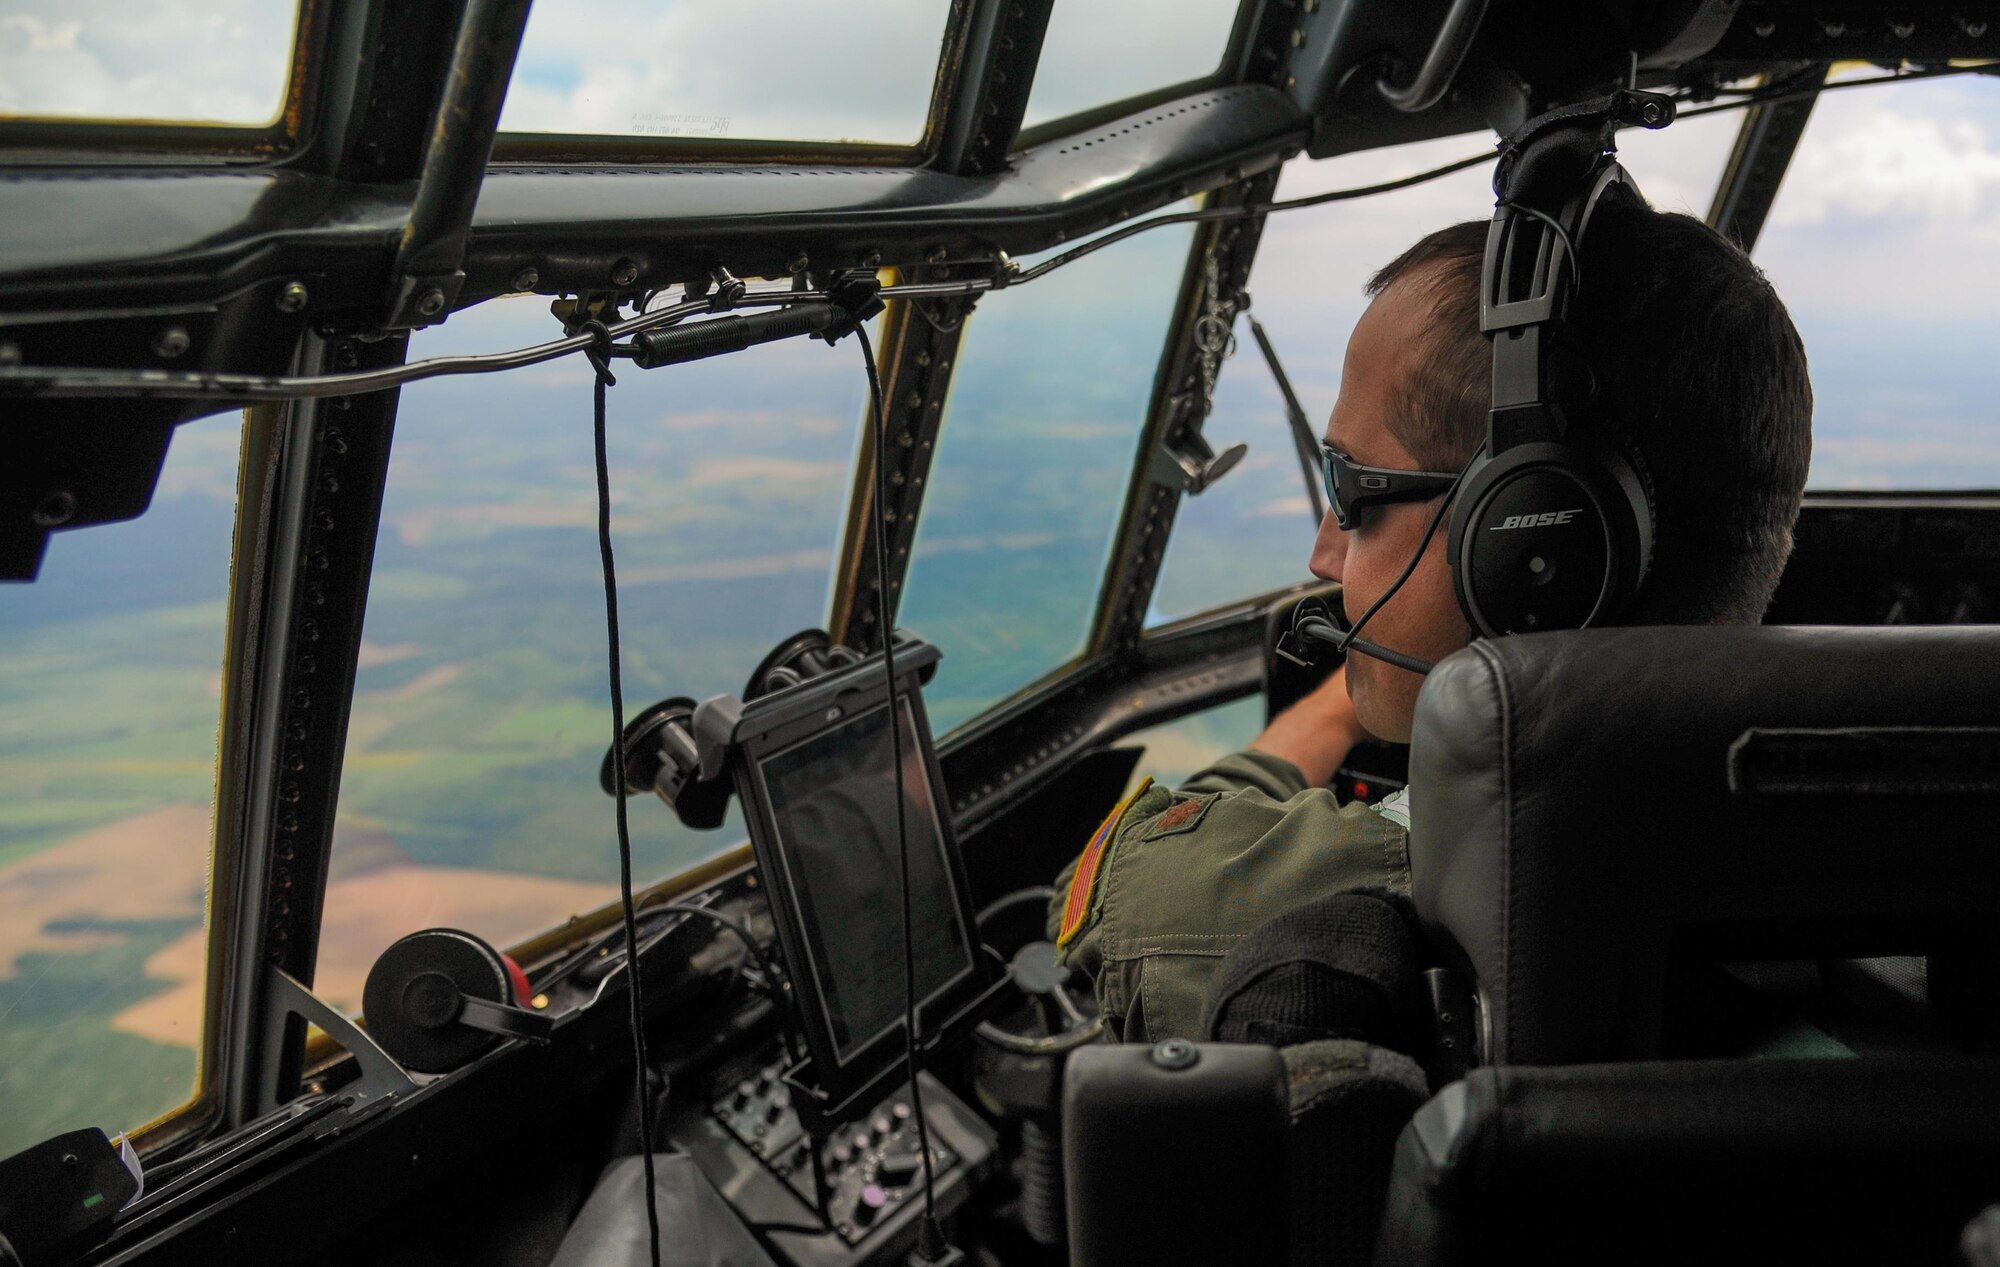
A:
<point x="1176" y="1153"/>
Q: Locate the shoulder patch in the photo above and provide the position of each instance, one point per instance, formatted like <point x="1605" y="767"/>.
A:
<point x="1184" y="816"/>
<point x="1076" y="908"/>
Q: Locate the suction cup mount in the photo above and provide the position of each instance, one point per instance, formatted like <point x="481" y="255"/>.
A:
<point x="660" y="757"/>
<point x="803" y="656"/>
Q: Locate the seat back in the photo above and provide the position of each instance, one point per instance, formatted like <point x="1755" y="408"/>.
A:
<point x="1736" y="1161"/>
<point x="1582" y="803"/>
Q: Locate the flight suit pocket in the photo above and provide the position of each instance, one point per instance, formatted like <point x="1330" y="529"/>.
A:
<point x="1175" y="972"/>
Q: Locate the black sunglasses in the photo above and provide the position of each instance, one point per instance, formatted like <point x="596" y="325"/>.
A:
<point x="1352" y="488"/>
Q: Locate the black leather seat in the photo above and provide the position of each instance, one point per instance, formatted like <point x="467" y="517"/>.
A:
<point x="1766" y="1161"/>
<point x="1585" y="804"/>
<point x="1591" y="807"/>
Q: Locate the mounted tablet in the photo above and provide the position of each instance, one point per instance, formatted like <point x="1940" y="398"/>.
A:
<point x="814" y="767"/>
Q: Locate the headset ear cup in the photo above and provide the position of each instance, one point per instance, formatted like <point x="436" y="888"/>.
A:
<point x="410" y="998"/>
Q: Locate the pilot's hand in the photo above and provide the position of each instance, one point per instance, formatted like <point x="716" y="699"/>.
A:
<point x="1316" y="733"/>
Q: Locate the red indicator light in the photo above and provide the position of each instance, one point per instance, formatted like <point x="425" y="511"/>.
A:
<point x="1360" y="790"/>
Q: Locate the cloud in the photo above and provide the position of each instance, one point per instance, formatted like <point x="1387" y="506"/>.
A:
<point x="824" y="70"/>
<point x="1890" y="157"/>
<point x="218" y="61"/>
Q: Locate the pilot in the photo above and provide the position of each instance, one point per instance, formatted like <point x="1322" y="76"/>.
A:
<point x="1700" y="371"/>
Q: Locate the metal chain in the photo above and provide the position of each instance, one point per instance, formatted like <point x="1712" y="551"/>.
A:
<point x="1214" y="329"/>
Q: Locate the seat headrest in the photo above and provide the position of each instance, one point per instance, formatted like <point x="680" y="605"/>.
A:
<point x="1581" y="800"/>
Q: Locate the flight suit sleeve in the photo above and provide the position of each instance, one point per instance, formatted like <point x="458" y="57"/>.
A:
<point x="1186" y="874"/>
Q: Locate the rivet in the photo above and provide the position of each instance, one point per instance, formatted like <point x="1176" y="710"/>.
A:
<point x="872" y="260"/>
<point x="624" y="273"/>
<point x="527" y="279"/>
<point x="1764" y="30"/>
<point x="1298" y="39"/>
<point x="293" y="297"/>
<point x="1972" y="26"/>
<point x="173" y="342"/>
<point x="799" y="264"/>
<point x="1902" y="30"/>
<point x="10" y="354"/>
<point x="936" y="256"/>
<point x="432" y="302"/>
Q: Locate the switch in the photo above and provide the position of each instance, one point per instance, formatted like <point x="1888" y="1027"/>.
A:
<point x="781" y="1100"/>
<point x="744" y="1090"/>
<point x="880" y="1126"/>
<point x="898" y="1170"/>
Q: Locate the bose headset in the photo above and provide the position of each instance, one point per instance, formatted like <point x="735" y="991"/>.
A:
<point x="1551" y="520"/>
<point x="1552" y="527"/>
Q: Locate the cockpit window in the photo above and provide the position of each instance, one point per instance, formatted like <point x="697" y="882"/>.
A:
<point x="773" y="70"/>
<point x="1047" y="403"/>
<point x="110" y="692"/>
<point x="481" y="714"/>
<point x="1882" y="244"/>
<point x="224" y="62"/>
<point x="1098" y="52"/>
<point x="1252" y="531"/>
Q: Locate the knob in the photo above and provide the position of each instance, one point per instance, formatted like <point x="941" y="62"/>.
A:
<point x="842" y="1154"/>
<point x="880" y="1126"/>
<point x="780" y="1101"/>
<point x="868" y="1206"/>
<point x="861" y="1141"/>
<point x="767" y="1075"/>
<point x="901" y="1113"/>
<point x="744" y="1090"/>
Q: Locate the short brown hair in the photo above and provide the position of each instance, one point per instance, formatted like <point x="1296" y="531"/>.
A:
<point x="1700" y="372"/>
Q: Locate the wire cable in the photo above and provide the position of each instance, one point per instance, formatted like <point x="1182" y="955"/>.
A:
<point x="757" y="956"/>
<point x="929" y="1236"/>
<point x="599" y="337"/>
<point x="65" y="381"/>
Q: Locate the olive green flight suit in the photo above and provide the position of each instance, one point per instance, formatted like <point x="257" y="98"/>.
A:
<point x="1177" y="887"/>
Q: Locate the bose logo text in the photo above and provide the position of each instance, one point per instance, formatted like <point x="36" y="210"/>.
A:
<point x="1537" y="521"/>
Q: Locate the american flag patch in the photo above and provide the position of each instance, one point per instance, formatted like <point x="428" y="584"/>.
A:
<point x="1084" y="882"/>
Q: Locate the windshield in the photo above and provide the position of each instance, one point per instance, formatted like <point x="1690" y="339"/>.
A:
<point x="110" y="692"/>
<point x="221" y="61"/>
<point x="1098" y="52"/>
<point x="1883" y="244"/>
<point x="780" y="70"/>
<point x="470" y="794"/>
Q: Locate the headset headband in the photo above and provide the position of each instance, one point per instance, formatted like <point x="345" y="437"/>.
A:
<point x="1552" y="173"/>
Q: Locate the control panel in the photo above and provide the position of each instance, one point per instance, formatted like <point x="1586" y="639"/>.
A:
<point x="749" y="1141"/>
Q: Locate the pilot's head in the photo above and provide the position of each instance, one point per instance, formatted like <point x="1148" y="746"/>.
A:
<point x="1698" y="369"/>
